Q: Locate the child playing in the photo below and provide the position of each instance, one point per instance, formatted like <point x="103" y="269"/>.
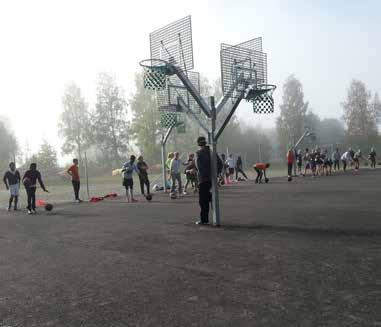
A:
<point x="261" y="168"/>
<point x="12" y="183"/>
<point x="128" y="168"/>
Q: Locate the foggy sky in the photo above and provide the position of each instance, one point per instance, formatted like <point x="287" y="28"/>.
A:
<point x="47" y="44"/>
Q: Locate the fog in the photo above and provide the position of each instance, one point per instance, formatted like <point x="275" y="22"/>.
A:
<point x="47" y="44"/>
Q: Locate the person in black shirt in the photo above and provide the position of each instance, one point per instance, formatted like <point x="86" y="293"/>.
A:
<point x="12" y="183"/>
<point x="372" y="158"/>
<point x="143" y="175"/>
<point x="29" y="180"/>
<point x="239" y="168"/>
<point x="203" y="163"/>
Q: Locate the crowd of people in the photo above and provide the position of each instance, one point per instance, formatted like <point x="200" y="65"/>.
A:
<point x="321" y="162"/>
<point x="197" y="171"/>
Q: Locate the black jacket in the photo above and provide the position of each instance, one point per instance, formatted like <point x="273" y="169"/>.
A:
<point x="11" y="179"/>
<point x="203" y="163"/>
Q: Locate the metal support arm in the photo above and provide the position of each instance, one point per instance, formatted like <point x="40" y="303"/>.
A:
<point x="188" y="111"/>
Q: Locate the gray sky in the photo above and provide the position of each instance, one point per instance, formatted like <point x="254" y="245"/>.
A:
<point x="47" y="43"/>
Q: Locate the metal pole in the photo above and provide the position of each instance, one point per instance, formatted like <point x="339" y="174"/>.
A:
<point x="215" y="198"/>
<point x="87" y="176"/>
<point x="164" y="171"/>
<point x="259" y="152"/>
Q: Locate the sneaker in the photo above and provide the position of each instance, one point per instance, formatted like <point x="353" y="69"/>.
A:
<point x="15" y="209"/>
<point x="199" y="222"/>
<point x="29" y="212"/>
<point x="9" y="209"/>
<point x="134" y="200"/>
<point x="34" y="211"/>
<point x="185" y="192"/>
<point x="78" y="201"/>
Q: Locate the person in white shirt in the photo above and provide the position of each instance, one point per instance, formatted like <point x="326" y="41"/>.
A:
<point x="230" y="164"/>
<point x="175" y="169"/>
<point x="346" y="159"/>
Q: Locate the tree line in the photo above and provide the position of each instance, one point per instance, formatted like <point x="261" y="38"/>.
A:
<point x="117" y="126"/>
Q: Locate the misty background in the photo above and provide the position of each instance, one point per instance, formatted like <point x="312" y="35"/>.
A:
<point x="63" y="57"/>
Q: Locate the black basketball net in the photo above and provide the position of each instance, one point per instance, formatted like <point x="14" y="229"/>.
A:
<point x="263" y="104"/>
<point x="168" y="119"/>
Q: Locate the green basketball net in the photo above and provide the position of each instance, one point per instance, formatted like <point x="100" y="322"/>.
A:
<point x="168" y="119"/>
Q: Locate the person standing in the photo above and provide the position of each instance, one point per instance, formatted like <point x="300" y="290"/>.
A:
<point x="336" y="159"/>
<point x="128" y="169"/>
<point x="290" y="162"/>
<point x="143" y="175"/>
<point x="12" y="183"/>
<point x="346" y="159"/>
<point x="168" y="169"/>
<point x="190" y="173"/>
<point x="372" y="158"/>
<point x="299" y="161"/>
<point x="239" y="168"/>
<point x="230" y="164"/>
<point x="29" y="180"/>
<point x="73" y="171"/>
<point x="203" y="163"/>
<point x="176" y="173"/>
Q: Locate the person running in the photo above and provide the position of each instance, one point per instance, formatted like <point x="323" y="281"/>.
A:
<point x="128" y="182"/>
<point x="29" y="180"/>
<point x="260" y="169"/>
<point x="239" y="168"/>
<point x="143" y="175"/>
<point x="336" y="159"/>
<point x="176" y="174"/>
<point x="73" y="171"/>
<point x="190" y="173"/>
<point x="346" y="159"/>
<point x="12" y="183"/>
<point x="230" y="165"/>
<point x="203" y="164"/>
<point x="299" y="161"/>
<point x="290" y="161"/>
<point x="372" y="158"/>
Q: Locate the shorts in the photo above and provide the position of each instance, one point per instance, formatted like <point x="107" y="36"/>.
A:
<point x="14" y="189"/>
<point x="128" y="183"/>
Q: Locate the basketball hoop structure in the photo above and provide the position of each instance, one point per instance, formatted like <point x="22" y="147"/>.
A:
<point x="170" y="73"/>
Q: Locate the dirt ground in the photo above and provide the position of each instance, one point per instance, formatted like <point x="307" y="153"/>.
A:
<point x="305" y="253"/>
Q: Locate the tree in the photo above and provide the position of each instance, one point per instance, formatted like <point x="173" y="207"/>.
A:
<point x="110" y="125"/>
<point x="376" y="103"/>
<point x="146" y="121"/>
<point x="46" y="157"/>
<point x="330" y="131"/>
<point x="293" y="111"/>
<point x="359" y="114"/>
<point x="74" y="124"/>
<point x="8" y="146"/>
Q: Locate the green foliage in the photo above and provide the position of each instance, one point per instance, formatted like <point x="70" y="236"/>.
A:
<point x="146" y="121"/>
<point x="110" y="125"/>
<point x="293" y="110"/>
<point x="46" y="158"/>
<point x="74" y="123"/>
<point x="359" y="113"/>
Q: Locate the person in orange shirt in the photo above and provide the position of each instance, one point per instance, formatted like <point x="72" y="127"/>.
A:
<point x="261" y="168"/>
<point x="73" y="171"/>
<point x="290" y="162"/>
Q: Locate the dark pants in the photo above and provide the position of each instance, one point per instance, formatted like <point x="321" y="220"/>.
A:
<point x="16" y="198"/>
<point x="239" y="170"/>
<point x="76" y="187"/>
<point x="143" y="179"/>
<point x="259" y="174"/>
<point x="344" y="165"/>
<point x="31" y="194"/>
<point x="372" y="163"/>
<point x="336" y="165"/>
<point x="289" y="169"/>
<point x="204" y="197"/>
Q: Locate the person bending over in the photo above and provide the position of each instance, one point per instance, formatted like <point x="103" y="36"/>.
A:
<point x="260" y="169"/>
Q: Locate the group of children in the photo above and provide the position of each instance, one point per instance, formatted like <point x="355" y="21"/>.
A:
<point x="321" y="162"/>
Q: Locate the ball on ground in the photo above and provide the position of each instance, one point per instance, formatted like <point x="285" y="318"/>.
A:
<point x="173" y="195"/>
<point x="48" y="207"/>
<point x="266" y="180"/>
<point x="289" y="178"/>
<point x="149" y="197"/>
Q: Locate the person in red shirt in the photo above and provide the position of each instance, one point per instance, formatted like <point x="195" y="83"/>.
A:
<point x="261" y="168"/>
<point x="73" y="171"/>
<point x="290" y="162"/>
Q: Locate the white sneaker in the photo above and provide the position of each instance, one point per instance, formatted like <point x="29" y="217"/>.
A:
<point x="185" y="193"/>
<point x="29" y="212"/>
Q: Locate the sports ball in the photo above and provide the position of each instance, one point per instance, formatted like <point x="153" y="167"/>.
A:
<point x="48" y="207"/>
<point x="266" y="180"/>
<point x="149" y="197"/>
<point x="289" y="178"/>
<point x="173" y="195"/>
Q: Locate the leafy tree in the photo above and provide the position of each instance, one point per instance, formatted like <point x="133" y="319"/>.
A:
<point x="330" y="131"/>
<point x="74" y="124"/>
<point x="376" y="103"/>
<point x="46" y="157"/>
<point x="359" y="114"/>
<point x="8" y="146"/>
<point x="110" y="125"/>
<point x="146" y="121"/>
<point x="293" y="112"/>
